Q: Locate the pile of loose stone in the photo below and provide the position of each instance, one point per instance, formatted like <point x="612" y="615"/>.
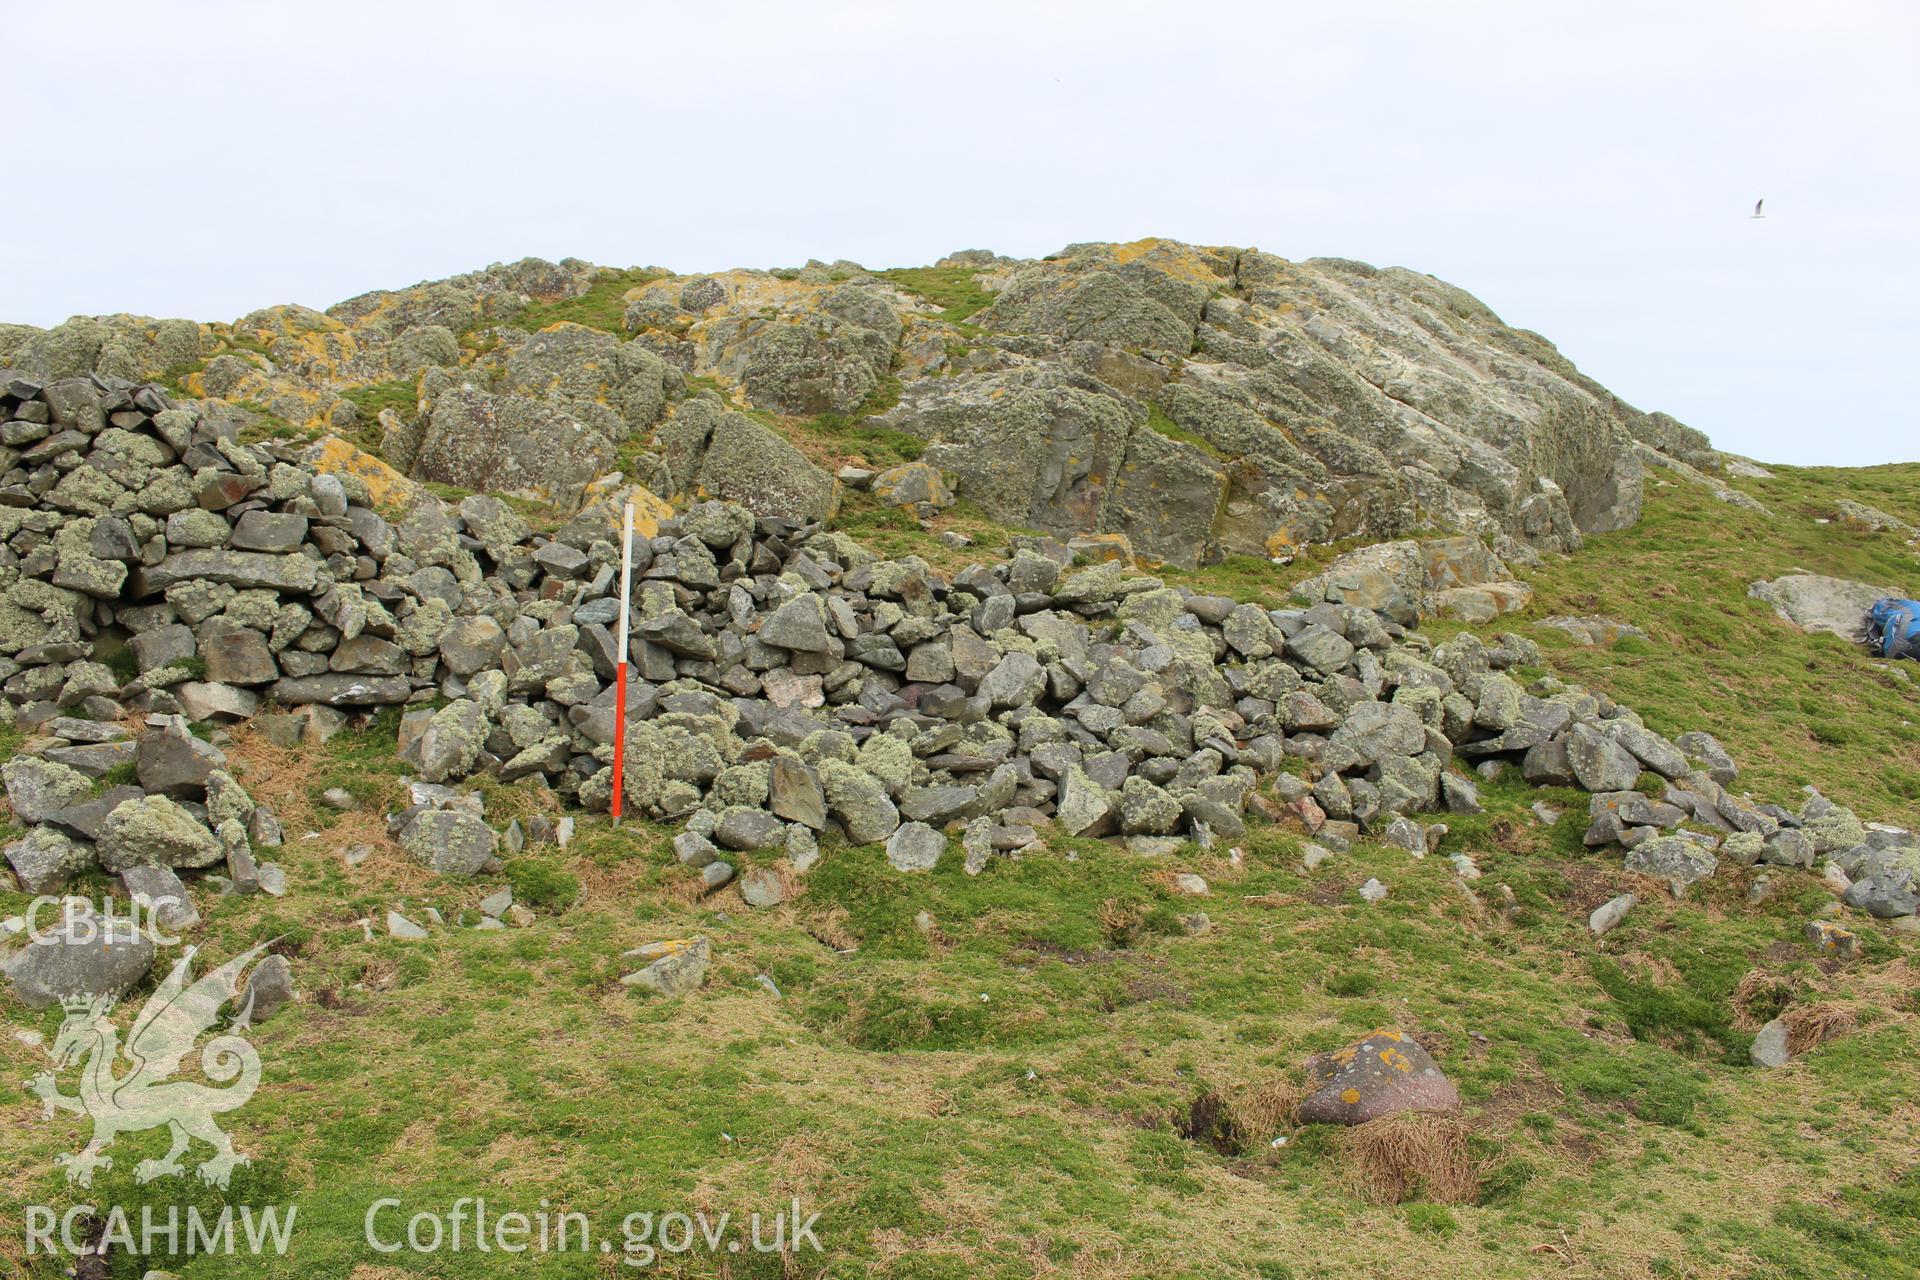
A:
<point x="787" y="683"/>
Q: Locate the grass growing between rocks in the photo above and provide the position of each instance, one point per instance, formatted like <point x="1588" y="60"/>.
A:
<point x="952" y="289"/>
<point x="603" y="306"/>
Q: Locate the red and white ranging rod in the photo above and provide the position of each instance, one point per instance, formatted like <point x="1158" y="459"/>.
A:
<point x="620" y="665"/>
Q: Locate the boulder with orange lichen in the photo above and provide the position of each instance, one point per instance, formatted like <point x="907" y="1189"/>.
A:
<point x="1384" y="1072"/>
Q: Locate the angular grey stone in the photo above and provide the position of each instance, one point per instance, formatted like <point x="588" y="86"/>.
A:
<point x="173" y="762"/>
<point x="269" y="531"/>
<point x="1459" y="794"/>
<point x="859" y="801"/>
<point x="1887" y="895"/>
<point x="472" y="645"/>
<point x="398" y="926"/>
<point x="201" y="700"/>
<point x="1610" y="913"/>
<point x="1770" y="1046"/>
<point x="1085" y="807"/>
<point x="1705" y="748"/>
<point x="269" y="989"/>
<point x="1677" y="861"/>
<point x="1787" y="847"/>
<point x="747" y="830"/>
<point x="237" y="655"/>
<point x="794" y="793"/>
<point x="1372" y="730"/>
<point x="45" y="859"/>
<point x="1599" y="763"/>
<point x="672" y="969"/>
<point x="1652" y="750"/>
<point x="160" y="894"/>
<point x="1145" y="809"/>
<point x="763" y="887"/>
<point x="560" y="560"/>
<point x="695" y="850"/>
<point x="800" y="624"/>
<point x="938" y="805"/>
<point x="82" y="955"/>
<point x="342" y="690"/>
<point x="915" y="846"/>
<point x="1017" y="680"/>
<point x="162" y="646"/>
<point x="1320" y="647"/>
<point x="451" y="842"/>
<point x="288" y="574"/>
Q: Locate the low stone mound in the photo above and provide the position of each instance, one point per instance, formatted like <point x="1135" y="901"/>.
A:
<point x="789" y="686"/>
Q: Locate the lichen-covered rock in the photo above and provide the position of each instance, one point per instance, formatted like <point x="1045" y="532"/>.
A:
<point x="511" y="444"/>
<point x="82" y="955"/>
<point x="672" y="968"/>
<point x="858" y="801"/>
<point x="1383" y="1073"/>
<point x="1679" y="862"/>
<point x="37" y="788"/>
<point x="154" y="831"/>
<point x="451" y="842"/>
<point x="913" y="484"/>
<point x="45" y="859"/>
<point x="746" y="463"/>
<point x="452" y="741"/>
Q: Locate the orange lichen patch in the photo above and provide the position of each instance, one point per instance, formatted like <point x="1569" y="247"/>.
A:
<point x="1178" y="260"/>
<point x="390" y="489"/>
<point x="661" y="950"/>
<point x="614" y="492"/>
<point x="1350" y="1096"/>
<point x="1101" y="547"/>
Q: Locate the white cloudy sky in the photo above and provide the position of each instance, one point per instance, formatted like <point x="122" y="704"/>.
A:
<point x="1587" y="170"/>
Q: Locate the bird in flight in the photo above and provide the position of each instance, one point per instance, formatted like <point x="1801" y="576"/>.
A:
<point x="1756" y="209"/>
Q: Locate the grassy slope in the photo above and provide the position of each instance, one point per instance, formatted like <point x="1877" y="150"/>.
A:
<point x="1794" y="709"/>
<point x="1034" y="1131"/>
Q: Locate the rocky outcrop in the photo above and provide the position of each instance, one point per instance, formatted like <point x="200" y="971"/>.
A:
<point x="1202" y="402"/>
<point x="1814" y="602"/>
<point x="1406" y="581"/>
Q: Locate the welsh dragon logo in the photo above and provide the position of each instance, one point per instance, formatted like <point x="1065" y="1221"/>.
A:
<point x="163" y="1033"/>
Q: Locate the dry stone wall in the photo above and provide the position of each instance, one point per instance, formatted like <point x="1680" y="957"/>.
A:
<point x="790" y="686"/>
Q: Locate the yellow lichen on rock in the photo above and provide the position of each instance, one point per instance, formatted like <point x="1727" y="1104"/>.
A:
<point x="389" y="489"/>
<point x="610" y="494"/>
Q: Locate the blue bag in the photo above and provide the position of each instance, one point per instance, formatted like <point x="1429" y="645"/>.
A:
<point x="1893" y="628"/>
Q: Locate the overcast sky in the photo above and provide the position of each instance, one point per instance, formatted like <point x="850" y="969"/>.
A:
<point x="1585" y="170"/>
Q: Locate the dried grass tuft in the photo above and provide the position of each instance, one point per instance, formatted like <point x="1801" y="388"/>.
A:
<point x="1410" y="1156"/>
<point x="1762" y="996"/>
<point x="1116" y="920"/>
<point x="1810" y="1025"/>
<point x="829" y="929"/>
<point x="1265" y="1109"/>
